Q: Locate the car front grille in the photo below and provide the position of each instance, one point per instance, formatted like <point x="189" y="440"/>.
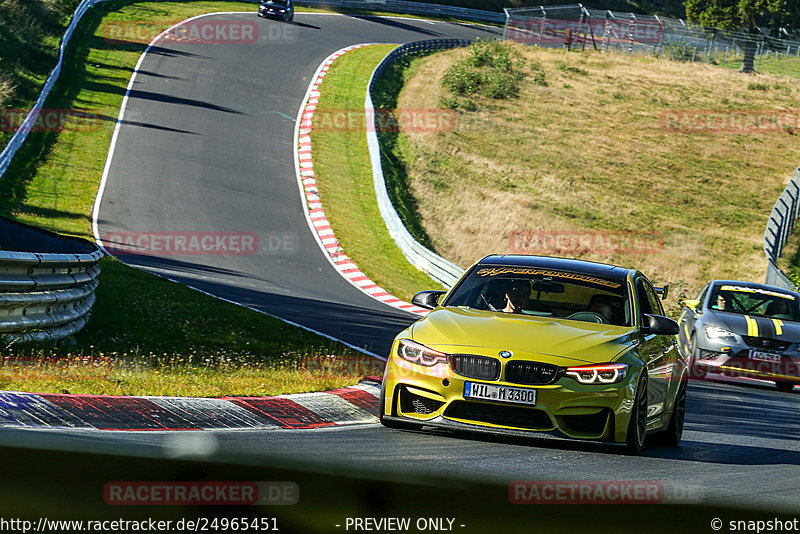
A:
<point x="765" y="343"/>
<point x="410" y="403"/>
<point x="587" y="424"/>
<point x="531" y="373"/>
<point x="514" y="416"/>
<point x="703" y="354"/>
<point x="473" y="366"/>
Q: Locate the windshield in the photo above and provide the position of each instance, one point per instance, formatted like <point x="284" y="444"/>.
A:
<point x="755" y="301"/>
<point x="281" y="3"/>
<point x="545" y="293"/>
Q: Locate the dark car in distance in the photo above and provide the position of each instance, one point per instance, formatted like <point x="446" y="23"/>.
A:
<point x="277" y="9"/>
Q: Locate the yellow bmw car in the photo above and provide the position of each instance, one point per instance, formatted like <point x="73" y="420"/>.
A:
<point x="525" y="344"/>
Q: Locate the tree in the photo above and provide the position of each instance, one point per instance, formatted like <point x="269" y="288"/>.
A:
<point x="746" y="16"/>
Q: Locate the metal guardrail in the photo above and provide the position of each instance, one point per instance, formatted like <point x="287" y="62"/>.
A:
<point x="427" y="261"/>
<point x="781" y="222"/>
<point x="47" y="283"/>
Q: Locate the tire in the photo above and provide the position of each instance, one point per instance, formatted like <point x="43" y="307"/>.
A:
<point x="695" y="372"/>
<point x="399" y="425"/>
<point x="674" y="431"/>
<point x="637" y="427"/>
<point x="786" y="387"/>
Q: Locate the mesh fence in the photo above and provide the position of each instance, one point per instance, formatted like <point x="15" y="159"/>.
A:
<point x="580" y="27"/>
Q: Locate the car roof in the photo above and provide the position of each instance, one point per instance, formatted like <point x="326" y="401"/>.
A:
<point x="593" y="268"/>
<point x="754" y="285"/>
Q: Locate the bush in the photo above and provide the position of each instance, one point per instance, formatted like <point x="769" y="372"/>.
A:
<point x="502" y="85"/>
<point x="493" y="54"/>
<point x="463" y="79"/>
<point x="563" y="67"/>
<point x="757" y="86"/>
<point x="491" y="70"/>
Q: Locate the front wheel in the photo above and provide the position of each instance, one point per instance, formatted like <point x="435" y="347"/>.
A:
<point x="637" y="427"/>
<point x="695" y="371"/>
<point x="674" y="431"/>
<point x="786" y="387"/>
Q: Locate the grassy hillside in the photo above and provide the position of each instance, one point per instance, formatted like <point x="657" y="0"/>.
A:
<point x="595" y="150"/>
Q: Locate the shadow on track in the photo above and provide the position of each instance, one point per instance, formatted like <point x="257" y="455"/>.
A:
<point x="370" y="328"/>
<point x="305" y="25"/>
<point x="396" y="24"/>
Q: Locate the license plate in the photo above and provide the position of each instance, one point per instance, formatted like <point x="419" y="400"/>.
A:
<point x="492" y="392"/>
<point x="765" y="356"/>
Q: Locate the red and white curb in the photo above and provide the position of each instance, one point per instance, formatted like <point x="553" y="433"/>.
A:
<point x="315" y="213"/>
<point x="356" y="404"/>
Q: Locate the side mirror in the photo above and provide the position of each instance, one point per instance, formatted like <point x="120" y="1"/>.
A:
<point x="427" y="299"/>
<point x="692" y="304"/>
<point x="663" y="291"/>
<point x="659" y="325"/>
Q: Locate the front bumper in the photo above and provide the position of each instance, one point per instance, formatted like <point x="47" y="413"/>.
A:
<point x="435" y="396"/>
<point x="273" y="14"/>
<point x="741" y="360"/>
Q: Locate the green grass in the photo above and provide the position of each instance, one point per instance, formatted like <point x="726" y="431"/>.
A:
<point x="778" y="66"/>
<point x="142" y="323"/>
<point x="344" y="178"/>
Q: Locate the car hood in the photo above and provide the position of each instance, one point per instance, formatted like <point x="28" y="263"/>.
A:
<point x="766" y="327"/>
<point x="557" y="341"/>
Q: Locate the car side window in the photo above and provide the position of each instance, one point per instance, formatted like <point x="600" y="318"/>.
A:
<point x="644" y="301"/>
<point x="648" y="300"/>
<point x="703" y="293"/>
<point x="655" y="301"/>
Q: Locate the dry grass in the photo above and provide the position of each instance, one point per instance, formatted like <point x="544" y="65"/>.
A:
<point x="587" y="152"/>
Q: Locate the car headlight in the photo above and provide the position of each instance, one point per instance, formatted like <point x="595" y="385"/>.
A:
<point x="606" y="373"/>
<point x="416" y="353"/>
<point x="716" y="332"/>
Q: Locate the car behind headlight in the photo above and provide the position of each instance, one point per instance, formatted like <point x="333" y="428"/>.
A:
<point x="716" y="332"/>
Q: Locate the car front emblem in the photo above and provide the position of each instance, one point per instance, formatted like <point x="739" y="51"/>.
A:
<point x="506" y="354"/>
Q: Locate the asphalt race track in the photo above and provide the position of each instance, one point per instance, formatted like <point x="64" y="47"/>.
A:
<point x="206" y="145"/>
<point x="740" y="448"/>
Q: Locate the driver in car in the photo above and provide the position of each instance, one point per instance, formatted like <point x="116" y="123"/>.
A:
<point x="518" y="295"/>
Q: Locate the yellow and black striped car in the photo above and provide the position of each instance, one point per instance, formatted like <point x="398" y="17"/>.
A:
<point x="743" y="329"/>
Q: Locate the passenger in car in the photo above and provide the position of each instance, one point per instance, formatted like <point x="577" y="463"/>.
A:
<point x="601" y="304"/>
